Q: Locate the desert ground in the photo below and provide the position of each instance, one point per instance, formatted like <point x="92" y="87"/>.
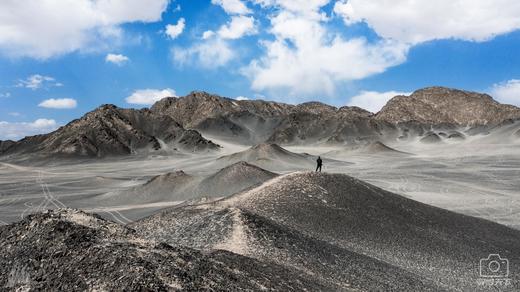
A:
<point x="477" y="177"/>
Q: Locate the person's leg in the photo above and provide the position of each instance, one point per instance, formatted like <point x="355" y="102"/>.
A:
<point x="317" y="167"/>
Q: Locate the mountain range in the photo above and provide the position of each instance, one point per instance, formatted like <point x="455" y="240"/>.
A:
<point x="180" y="124"/>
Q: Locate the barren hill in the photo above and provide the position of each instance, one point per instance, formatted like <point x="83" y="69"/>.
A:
<point x="437" y="105"/>
<point x="179" y="186"/>
<point x="269" y="156"/>
<point x="68" y="250"/>
<point x="110" y="130"/>
<point x="345" y="231"/>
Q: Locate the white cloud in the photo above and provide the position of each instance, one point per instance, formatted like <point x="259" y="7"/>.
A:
<point x="232" y="6"/>
<point x="208" y="34"/>
<point x="175" y="30"/>
<point x="209" y="54"/>
<point x="15" y="114"/>
<point x="215" y="49"/>
<point x="308" y="8"/>
<point x="60" y="103"/>
<point x="305" y="58"/>
<point x="15" y="131"/>
<point x="507" y="92"/>
<point x="43" y="29"/>
<point x="149" y="96"/>
<point x="238" y="27"/>
<point x="37" y="81"/>
<point x="241" y="98"/>
<point x="374" y="101"/>
<point x="5" y="95"/>
<point x="117" y="59"/>
<point x="419" y="21"/>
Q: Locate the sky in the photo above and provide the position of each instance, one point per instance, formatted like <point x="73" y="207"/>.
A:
<point x="60" y="59"/>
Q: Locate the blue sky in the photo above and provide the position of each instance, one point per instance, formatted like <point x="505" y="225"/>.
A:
<point x="61" y="59"/>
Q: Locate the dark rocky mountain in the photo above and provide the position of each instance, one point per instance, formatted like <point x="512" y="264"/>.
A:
<point x="4" y="145"/>
<point x="197" y="106"/>
<point x="110" y="130"/>
<point x="438" y="105"/>
<point x="254" y="121"/>
<point x="343" y="232"/>
<point x="177" y="123"/>
<point x="343" y="125"/>
<point x="68" y="250"/>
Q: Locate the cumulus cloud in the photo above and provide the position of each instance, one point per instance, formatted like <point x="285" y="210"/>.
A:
<point x="232" y="6"/>
<point x="305" y="58"/>
<point x="15" y="131"/>
<point x="420" y="21"/>
<point x="43" y="29"/>
<point x="238" y="27"/>
<point x="241" y="98"/>
<point x="117" y="59"/>
<point x="149" y="96"/>
<point x="60" y="103"/>
<point x="37" y="81"/>
<point x="212" y="53"/>
<point x="175" y="30"/>
<point x="507" y="92"/>
<point x="374" y="101"/>
<point x="215" y="48"/>
<point x="208" y="34"/>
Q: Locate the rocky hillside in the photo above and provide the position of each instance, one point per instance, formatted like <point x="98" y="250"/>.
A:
<point x="344" y="232"/>
<point x="437" y="105"/>
<point x="179" y="123"/>
<point x="254" y="121"/>
<point x="109" y="130"/>
<point x="179" y="186"/>
<point x="193" y="109"/>
<point x="69" y="250"/>
<point x="4" y="145"/>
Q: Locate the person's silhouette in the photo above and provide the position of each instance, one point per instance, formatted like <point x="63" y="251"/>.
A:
<point x="319" y="163"/>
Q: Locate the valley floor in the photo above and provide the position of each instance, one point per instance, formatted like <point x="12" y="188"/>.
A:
<point x="480" y="180"/>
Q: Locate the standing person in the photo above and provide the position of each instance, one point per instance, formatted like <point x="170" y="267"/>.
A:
<point x="319" y="163"/>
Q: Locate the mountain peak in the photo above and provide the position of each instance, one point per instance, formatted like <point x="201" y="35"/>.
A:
<point x="437" y="105"/>
<point x="439" y="92"/>
<point x="105" y="107"/>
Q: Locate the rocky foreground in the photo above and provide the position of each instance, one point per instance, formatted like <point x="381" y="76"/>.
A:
<point x="297" y="232"/>
<point x="68" y="250"/>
